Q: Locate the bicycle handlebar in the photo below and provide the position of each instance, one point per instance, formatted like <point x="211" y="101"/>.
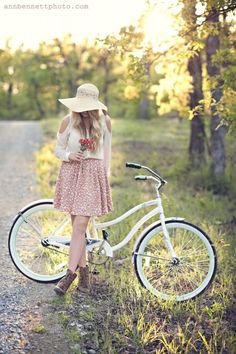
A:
<point x="140" y="177"/>
<point x="133" y="165"/>
<point x="136" y="165"/>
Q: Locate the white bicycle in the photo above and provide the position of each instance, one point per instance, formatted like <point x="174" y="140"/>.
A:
<point x="172" y="258"/>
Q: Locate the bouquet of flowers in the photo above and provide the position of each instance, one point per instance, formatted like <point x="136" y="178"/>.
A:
<point x="86" y="144"/>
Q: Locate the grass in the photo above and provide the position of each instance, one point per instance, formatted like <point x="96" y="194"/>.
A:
<point x="120" y="316"/>
<point x="39" y="328"/>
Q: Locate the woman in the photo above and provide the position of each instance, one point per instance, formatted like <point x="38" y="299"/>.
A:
<point x="82" y="187"/>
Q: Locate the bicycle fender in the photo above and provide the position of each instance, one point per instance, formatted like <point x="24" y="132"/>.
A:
<point x="36" y="202"/>
<point x="28" y="206"/>
<point x="148" y="228"/>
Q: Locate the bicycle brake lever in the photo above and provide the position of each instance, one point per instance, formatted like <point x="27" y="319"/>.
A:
<point x="140" y="177"/>
<point x="133" y="165"/>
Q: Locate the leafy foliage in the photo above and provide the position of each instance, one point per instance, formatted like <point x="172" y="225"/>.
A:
<point x="120" y="316"/>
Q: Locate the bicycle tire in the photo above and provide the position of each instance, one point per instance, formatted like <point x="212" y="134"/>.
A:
<point x="14" y="236"/>
<point x="140" y="257"/>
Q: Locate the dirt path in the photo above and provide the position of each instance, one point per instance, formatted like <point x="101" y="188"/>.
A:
<point x="23" y="304"/>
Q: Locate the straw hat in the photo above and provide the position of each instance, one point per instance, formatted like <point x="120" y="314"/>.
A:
<point x="86" y="99"/>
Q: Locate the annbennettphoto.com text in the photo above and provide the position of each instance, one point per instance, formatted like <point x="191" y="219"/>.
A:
<point x="51" y="6"/>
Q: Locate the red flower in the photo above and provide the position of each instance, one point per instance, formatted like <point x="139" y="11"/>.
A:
<point x="86" y="144"/>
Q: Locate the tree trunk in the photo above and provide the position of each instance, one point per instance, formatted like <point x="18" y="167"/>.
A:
<point x="197" y="132"/>
<point x="39" y="106"/>
<point x="106" y="82"/>
<point x="9" y="95"/>
<point x="58" y="85"/>
<point x="58" y="104"/>
<point x="105" y="62"/>
<point x="74" y="76"/>
<point x="217" y="131"/>
<point x="144" y="102"/>
<point x="143" y="109"/>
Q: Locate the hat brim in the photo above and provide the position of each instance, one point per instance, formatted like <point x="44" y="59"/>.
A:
<point x="76" y="104"/>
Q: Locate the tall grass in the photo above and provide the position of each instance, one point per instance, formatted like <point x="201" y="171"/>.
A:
<point x="121" y="317"/>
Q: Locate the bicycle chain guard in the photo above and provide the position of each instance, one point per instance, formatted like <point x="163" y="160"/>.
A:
<point x="98" y="243"/>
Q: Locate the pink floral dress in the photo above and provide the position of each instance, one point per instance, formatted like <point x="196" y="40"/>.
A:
<point x="82" y="187"/>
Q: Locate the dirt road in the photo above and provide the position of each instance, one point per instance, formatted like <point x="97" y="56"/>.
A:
<point x="23" y="303"/>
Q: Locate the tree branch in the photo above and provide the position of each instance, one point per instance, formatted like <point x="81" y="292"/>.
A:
<point x="230" y="8"/>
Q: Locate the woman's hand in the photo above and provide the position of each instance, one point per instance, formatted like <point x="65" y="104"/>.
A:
<point x="77" y="156"/>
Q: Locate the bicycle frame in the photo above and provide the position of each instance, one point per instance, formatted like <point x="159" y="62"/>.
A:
<point x="54" y="240"/>
<point x="157" y="210"/>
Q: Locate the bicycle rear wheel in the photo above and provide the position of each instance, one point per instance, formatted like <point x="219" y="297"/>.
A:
<point x="30" y="242"/>
<point x="184" y="277"/>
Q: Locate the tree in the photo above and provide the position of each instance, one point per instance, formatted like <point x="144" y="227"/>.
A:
<point x="213" y="69"/>
<point x="129" y="47"/>
<point x="105" y="64"/>
<point x="7" y="85"/>
<point x="197" y="131"/>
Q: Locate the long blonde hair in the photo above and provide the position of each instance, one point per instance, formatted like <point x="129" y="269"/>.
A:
<point x="95" y="131"/>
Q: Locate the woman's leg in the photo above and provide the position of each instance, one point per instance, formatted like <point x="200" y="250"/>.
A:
<point x="83" y="259"/>
<point x="77" y="254"/>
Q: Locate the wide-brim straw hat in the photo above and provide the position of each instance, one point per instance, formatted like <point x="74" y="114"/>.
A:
<point x="86" y="99"/>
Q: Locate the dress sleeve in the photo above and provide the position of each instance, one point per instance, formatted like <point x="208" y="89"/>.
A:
<point x="107" y="141"/>
<point x="61" y="144"/>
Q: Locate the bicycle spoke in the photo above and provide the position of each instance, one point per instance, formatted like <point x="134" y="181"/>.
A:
<point x="60" y="227"/>
<point x="195" y="270"/>
<point x="193" y="254"/>
<point x="198" y="262"/>
<point x="157" y="279"/>
<point x="26" y="231"/>
<point x="183" y="280"/>
<point x="199" y="271"/>
<point x="189" y="242"/>
<point x="35" y="259"/>
<point x="181" y="277"/>
<point x="154" y="257"/>
<point x="34" y="223"/>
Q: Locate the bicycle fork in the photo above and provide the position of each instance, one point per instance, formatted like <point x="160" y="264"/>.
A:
<point x="166" y="236"/>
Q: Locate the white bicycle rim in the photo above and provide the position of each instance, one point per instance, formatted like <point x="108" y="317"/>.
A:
<point x="12" y="247"/>
<point x="141" y="248"/>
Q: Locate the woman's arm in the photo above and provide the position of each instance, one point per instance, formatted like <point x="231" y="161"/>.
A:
<point x="62" y="138"/>
<point x="107" y="141"/>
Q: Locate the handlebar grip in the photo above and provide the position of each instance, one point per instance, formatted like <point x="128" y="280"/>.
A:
<point x="141" y="178"/>
<point x="133" y="165"/>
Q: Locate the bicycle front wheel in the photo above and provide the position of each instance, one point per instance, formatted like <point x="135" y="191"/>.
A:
<point x="184" y="277"/>
<point x="38" y="243"/>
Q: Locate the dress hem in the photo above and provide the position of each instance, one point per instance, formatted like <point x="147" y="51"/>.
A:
<point x="71" y="212"/>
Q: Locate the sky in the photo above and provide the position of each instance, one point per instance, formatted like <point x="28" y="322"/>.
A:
<point x="92" y="18"/>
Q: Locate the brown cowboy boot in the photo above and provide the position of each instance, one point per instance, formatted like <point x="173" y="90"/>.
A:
<point x="84" y="280"/>
<point x="65" y="282"/>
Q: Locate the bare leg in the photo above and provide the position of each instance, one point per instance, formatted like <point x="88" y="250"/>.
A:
<point x="83" y="259"/>
<point x="77" y="254"/>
